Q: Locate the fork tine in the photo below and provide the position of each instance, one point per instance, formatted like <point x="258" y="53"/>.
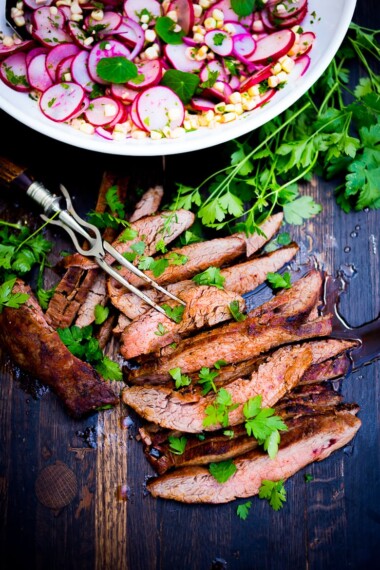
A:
<point x="118" y="257"/>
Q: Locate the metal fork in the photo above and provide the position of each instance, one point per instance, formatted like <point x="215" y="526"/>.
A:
<point x="13" y="176"/>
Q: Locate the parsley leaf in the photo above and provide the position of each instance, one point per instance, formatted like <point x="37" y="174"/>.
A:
<point x="177" y="444"/>
<point x="128" y="235"/>
<point x="109" y="369"/>
<point x="161" y="330"/>
<point x="274" y="492"/>
<point x="180" y="379"/>
<point x="278" y="281"/>
<point x="218" y="413"/>
<point x="184" y="84"/>
<point x="174" y="313"/>
<point x="301" y="209"/>
<point x="242" y="510"/>
<point x="211" y="276"/>
<point x="9" y="299"/>
<point x="263" y="425"/>
<point x="235" y="311"/>
<point x="223" y="470"/>
<point x="206" y="379"/>
<point x="113" y="202"/>
<point x="101" y="314"/>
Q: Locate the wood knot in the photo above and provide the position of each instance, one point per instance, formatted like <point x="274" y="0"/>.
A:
<point x="56" y="486"/>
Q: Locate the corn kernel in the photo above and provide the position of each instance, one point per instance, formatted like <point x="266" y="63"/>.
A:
<point x="198" y="38"/>
<point x="118" y="135"/>
<point x="8" y="41"/>
<point x="150" y="36"/>
<point x="88" y="41"/>
<point x="229" y="108"/>
<point x="210" y="23"/>
<point x="177" y="133"/>
<point x="276" y="68"/>
<point x="218" y="15"/>
<point x="197" y="10"/>
<point x="253" y="91"/>
<point x="87" y="128"/>
<point x="220" y="108"/>
<point x="235" y="97"/>
<point x="172" y="15"/>
<point x="75" y="8"/>
<point x="205" y="3"/>
<point x="288" y="65"/>
<point x="144" y="19"/>
<point x="229" y="28"/>
<point x="238" y="108"/>
<point x="258" y="26"/>
<point x="249" y="104"/>
<point x="19" y="21"/>
<point x="273" y="81"/>
<point x="97" y="15"/>
<point x="76" y="17"/>
<point x="138" y="134"/>
<point x="228" y="117"/>
<point x="282" y="77"/>
<point x="155" y="135"/>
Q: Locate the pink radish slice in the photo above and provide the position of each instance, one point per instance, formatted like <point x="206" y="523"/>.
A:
<point x="23" y="46"/>
<point x="57" y="54"/>
<point x="177" y="55"/>
<point x="33" y="52"/>
<point x="51" y="37"/>
<point x="134" y="33"/>
<point x="124" y="93"/>
<point x="243" y="45"/>
<point x="43" y="19"/>
<point x="134" y="115"/>
<point x="219" y="42"/>
<point x="133" y="8"/>
<point x="110" y="22"/>
<point x="289" y="22"/>
<point x="301" y="66"/>
<point x="222" y="95"/>
<point x="266" y="97"/>
<point x="38" y="76"/>
<point x="77" y="35"/>
<point x="82" y="108"/>
<point x="34" y="5"/>
<point x="201" y="104"/>
<point x="104" y="49"/>
<point x="256" y="78"/>
<point x="273" y="46"/>
<point x="305" y="43"/>
<point x="292" y="8"/>
<point x="61" y="101"/>
<point x="156" y="107"/>
<point x="13" y="72"/>
<point x="234" y="83"/>
<point x="151" y="73"/>
<point x="185" y="13"/>
<point x="238" y="28"/>
<point x="266" y="21"/>
<point x="102" y="132"/>
<point x="64" y="68"/>
<point x="121" y="117"/>
<point x="102" y="111"/>
<point x="79" y="71"/>
<point x="66" y="12"/>
<point x="189" y="41"/>
<point x="212" y="67"/>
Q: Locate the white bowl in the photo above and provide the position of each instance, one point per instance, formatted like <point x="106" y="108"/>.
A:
<point x="332" y="20"/>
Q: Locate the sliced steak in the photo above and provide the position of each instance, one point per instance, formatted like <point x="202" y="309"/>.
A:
<point x="200" y="256"/>
<point x="37" y="349"/>
<point x="328" y="370"/>
<point x="97" y="295"/>
<point x="149" y="203"/>
<point x="315" y="438"/>
<point x="205" y="307"/>
<point x="275" y="376"/>
<point x="272" y="324"/>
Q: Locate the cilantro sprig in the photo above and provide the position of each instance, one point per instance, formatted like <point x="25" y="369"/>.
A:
<point x="218" y="413"/>
<point x="242" y="510"/>
<point x="180" y="379"/>
<point x="9" y="299"/>
<point x="274" y="492"/>
<point x="263" y="424"/>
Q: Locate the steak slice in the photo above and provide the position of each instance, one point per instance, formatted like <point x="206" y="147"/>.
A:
<point x="97" y="295"/>
<point x="314" y="439"/>
<point x="149" y="203"/>
<point x="328" y="370"/>
<point x="275" y="376"/>
<point x="140" y="336"/>
<point x="205" y="307"/>
<point x="37" y="349"/>
<point x="272" y="324"/>
<point x="200" y="257"/>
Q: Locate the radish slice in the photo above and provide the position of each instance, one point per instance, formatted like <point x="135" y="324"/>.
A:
<point x="305" y="43"/>
<point x="151" y="73"/>
<point x="234" y="83"/>
<point x="23" y="46"/>
<point x="134" y="33"/>
<point x="185" y="13"/>
<point x="79" y="71"/>
<point x="38" y="75"/>
<point x="102" y="111"/>
<point x="78" y="35"/>
<point x="238" y="28"/>
<point x="121" y="116"/>
<point x="108" y="48"/>
<point x="43" y="19"/>
<point x="61" y="101"/>
<point x="256" y="78"/>
<point x="289" y="22"/>
<point x="159" y="107"/>
<point x="219" y="42"/>
<point x="221" y="90"/>
<point x="229" y="14"/>
<point x="109" y="24"/>
<point x="243" y="45"/>
<point x="288" y="8"/>
<point x="266" y="97"/>
<point x="273" y="46"/>
<point x="177" y="55"/>
<point x="33" y="52"/>
<point x="267" y="22"/>
<point x="104" y="133"/>
<point x="301" y="66"/>
<point x="64" y="69"/>
<point x="134" y="115"/>
<point x="134" y="8"/>
<point x="13" y="72"/>
<point x="213" y="67"/>
<point x="82" y="108"/>
<point x="201" y="104"/>
<point x="124" y="93"/>
<point x="57" y="54"/>
<point x="51" y="37"/>
<point x="35" y="5"/>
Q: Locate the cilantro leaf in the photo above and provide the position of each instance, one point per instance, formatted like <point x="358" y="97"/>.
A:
<point x="128" y="235"/>
<point x="184" y="84"/>
<point x="263" y="425"/>
<point x="218" y="413"/>
<point x="278" y="281"/>
<point x="9" y="299"/>
<point x="301" y="209"/>
<point x="161" y="330"/>
<point x="177" y="444"/>
<point x="242" y="510"/>
<point x="113" y="202"/>
<point x="117" y="69"/>
<point x="109" y="369"/>
<point x="274" y="492"/>
<point x="235" y="311"/>
<point x="180" y="379"/>
<point x="211" y="276"/>
<point x="101" y="314"/>
<point x="165" y="29"/>
<point x="174" y="313"/>
<point x="223" y="470"/>
<point x="206" y="379"/>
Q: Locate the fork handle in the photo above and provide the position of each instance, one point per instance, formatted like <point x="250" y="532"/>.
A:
<point x="14" y="176"/>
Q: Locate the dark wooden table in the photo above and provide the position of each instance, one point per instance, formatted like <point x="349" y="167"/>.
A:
<point x="331" y="522"/>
